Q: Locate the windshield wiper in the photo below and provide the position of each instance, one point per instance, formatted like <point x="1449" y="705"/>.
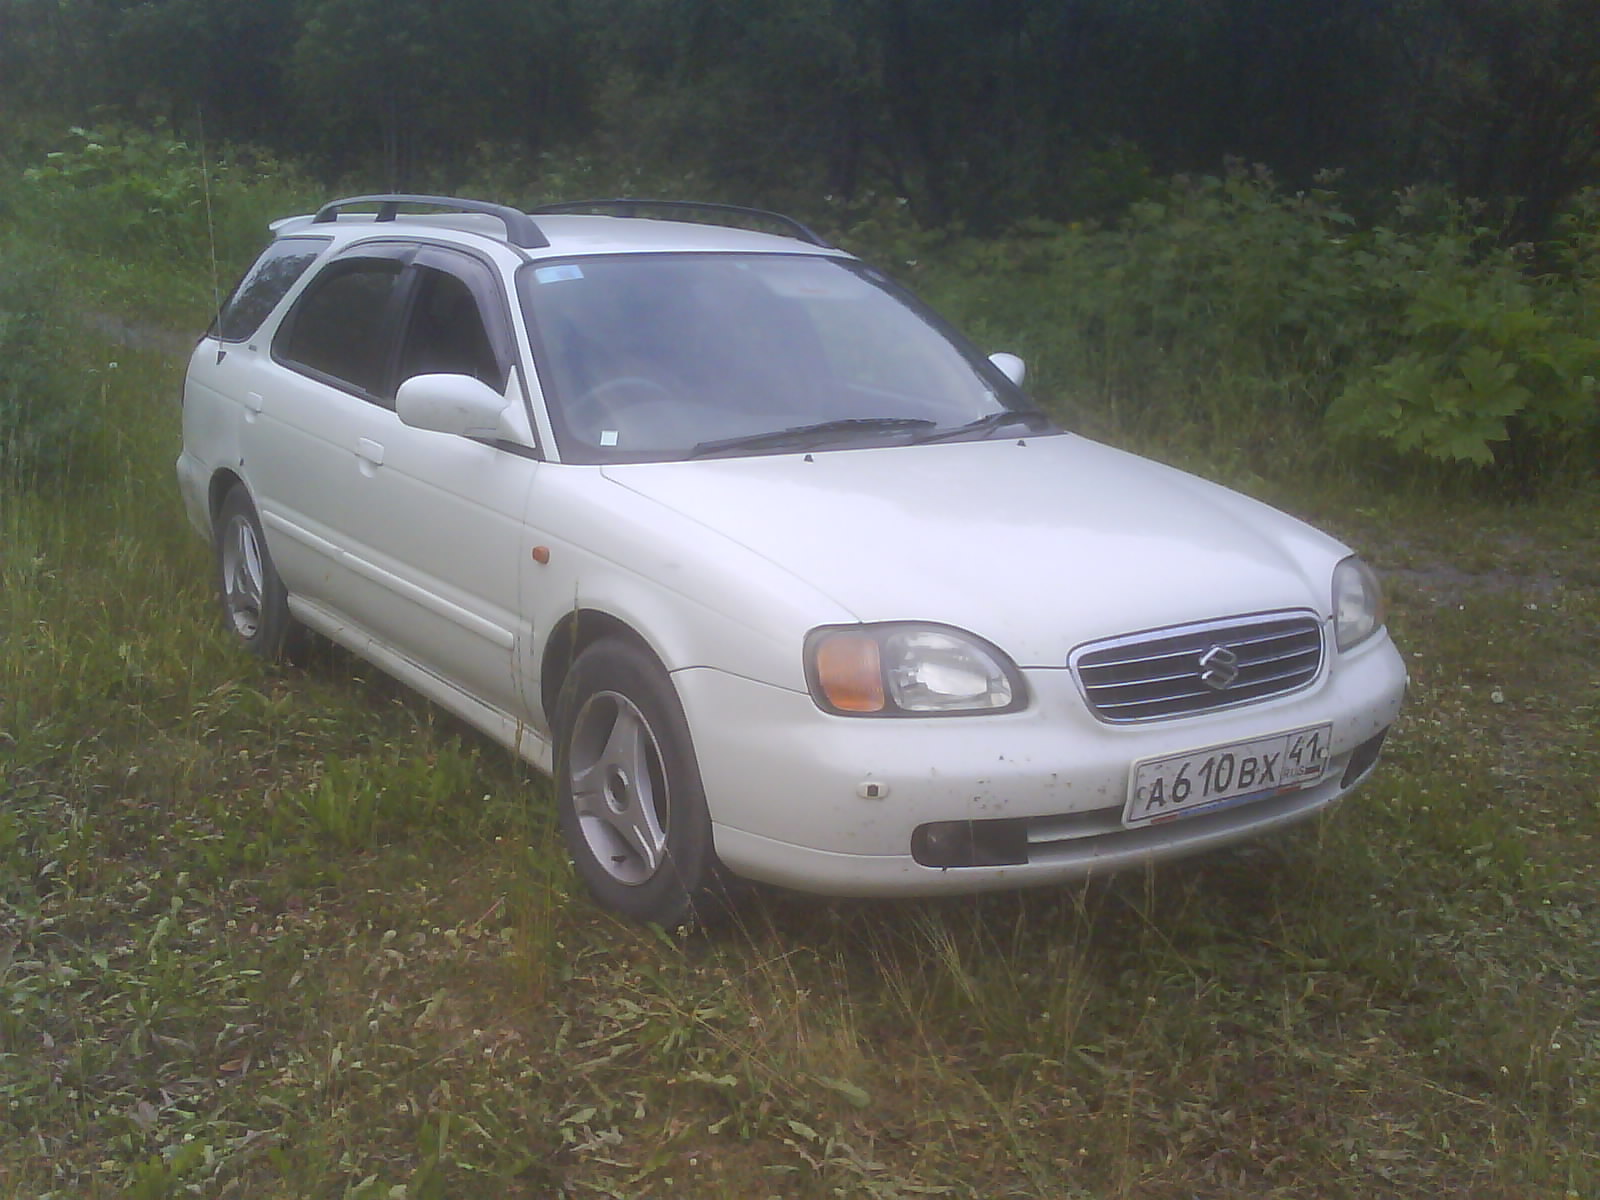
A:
<point x="803" y="436"/>
<point x="988" y="423"/>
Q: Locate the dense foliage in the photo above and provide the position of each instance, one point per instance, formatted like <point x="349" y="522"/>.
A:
<point x="1268" y="321"/>
<point x="977" y="111"/>
<point x="146" y="194"/>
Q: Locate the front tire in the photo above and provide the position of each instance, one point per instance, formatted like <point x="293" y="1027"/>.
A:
<point x="255" y="604"/>
<point x="631" y="805"/>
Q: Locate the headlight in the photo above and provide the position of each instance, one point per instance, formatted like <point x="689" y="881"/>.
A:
<point x="1357" y="603"/>
<point x="905" y="670"/>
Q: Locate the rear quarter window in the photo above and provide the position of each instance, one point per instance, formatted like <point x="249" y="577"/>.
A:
<point x="266" y="283"/>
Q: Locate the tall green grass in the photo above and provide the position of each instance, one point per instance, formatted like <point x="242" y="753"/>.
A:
<point x="43" y="411"/>
<point x="137" y="205"/>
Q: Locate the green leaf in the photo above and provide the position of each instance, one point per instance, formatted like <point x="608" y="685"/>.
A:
<point x="854" y="1094"/>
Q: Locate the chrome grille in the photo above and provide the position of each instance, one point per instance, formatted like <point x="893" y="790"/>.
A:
<point x="1157" y="674"/>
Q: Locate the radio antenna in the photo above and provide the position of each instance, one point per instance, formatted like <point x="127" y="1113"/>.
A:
<point x="211" y="231"/>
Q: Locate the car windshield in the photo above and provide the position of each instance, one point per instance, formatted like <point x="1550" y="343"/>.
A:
<point x="673" y="356"/>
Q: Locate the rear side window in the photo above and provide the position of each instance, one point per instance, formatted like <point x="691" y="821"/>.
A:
<point x="258" y="293"/>
<point x="337" y="328"/>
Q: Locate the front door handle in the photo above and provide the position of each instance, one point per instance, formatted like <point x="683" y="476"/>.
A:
<point x="369" y="455"/>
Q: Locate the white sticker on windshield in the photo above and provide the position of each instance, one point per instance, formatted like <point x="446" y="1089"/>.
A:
<point x="557" y="274"/>
<point x="608" y="437"/>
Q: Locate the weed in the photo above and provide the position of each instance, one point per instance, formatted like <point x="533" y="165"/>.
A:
<point x="42" y="409"/>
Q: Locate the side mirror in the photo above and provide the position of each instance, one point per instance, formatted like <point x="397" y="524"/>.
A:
<point x="457" y="404"/>
<point x="1012" y="367"/>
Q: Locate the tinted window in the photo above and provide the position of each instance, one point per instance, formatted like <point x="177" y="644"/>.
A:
<point x="446" y="332"/>
<point x="258" y="293"/>
<point x="337" y="327"/>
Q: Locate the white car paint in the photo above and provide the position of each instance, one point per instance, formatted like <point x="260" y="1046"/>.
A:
<point x="1035" y="543"/>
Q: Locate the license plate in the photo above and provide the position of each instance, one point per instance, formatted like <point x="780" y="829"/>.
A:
<point x="1165" y="788"/>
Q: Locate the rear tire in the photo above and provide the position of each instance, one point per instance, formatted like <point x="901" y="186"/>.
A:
<point x="255" y="604"/>
<point x="631" y="805"/>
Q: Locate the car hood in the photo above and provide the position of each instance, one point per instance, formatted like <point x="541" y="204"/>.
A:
<point x="1038" y="544"/>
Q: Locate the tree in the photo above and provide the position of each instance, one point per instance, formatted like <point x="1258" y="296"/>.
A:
<point x="1509" y="99"/>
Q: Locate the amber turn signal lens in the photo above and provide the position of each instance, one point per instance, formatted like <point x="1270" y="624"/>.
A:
<point x="848" y="672"/>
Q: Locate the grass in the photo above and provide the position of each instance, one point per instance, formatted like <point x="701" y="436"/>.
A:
<point x="293" y="932"/>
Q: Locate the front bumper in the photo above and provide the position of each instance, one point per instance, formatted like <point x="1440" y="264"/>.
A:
<point x="830" y="804"/>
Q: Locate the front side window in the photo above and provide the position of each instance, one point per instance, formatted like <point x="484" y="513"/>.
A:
<point x="337" y="327"/>
<point x="669" y="356"/>
<point x="267" y="282"/>
<point x="446" y="333"/>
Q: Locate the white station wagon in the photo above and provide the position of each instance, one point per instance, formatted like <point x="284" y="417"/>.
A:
<point x="769" y="568"/>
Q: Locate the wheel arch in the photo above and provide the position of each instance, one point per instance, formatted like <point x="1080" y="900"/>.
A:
<point x="573" y="634"/>
<point x="222" y="482"/>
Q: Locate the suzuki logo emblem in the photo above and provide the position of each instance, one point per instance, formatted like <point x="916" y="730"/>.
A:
<point x="1219" y="667"/>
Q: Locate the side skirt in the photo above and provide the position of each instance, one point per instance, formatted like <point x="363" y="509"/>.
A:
<point x="515" y="734"/>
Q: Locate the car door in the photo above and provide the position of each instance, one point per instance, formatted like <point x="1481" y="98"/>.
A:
<point x="439" y="519"/>
<point x="314" y="413"/>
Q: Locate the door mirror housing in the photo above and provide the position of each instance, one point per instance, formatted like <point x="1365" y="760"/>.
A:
<point x="457" y="404"/>
<point x="1012" y="367"/>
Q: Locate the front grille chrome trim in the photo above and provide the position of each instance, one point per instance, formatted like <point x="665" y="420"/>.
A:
<point x="1156" y="675"/>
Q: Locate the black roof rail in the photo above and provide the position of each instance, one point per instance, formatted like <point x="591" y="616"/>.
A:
<point x="521" y="230"/>
<point x="623" y="206"/>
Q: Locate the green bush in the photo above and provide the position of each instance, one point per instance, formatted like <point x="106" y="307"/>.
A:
<point x="41" y="411"/>
<point x="1271" y="322"/>
<point x="146" y="194"/>
<point x="1217" y="313"/>
<point x="1473" y="355"/>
